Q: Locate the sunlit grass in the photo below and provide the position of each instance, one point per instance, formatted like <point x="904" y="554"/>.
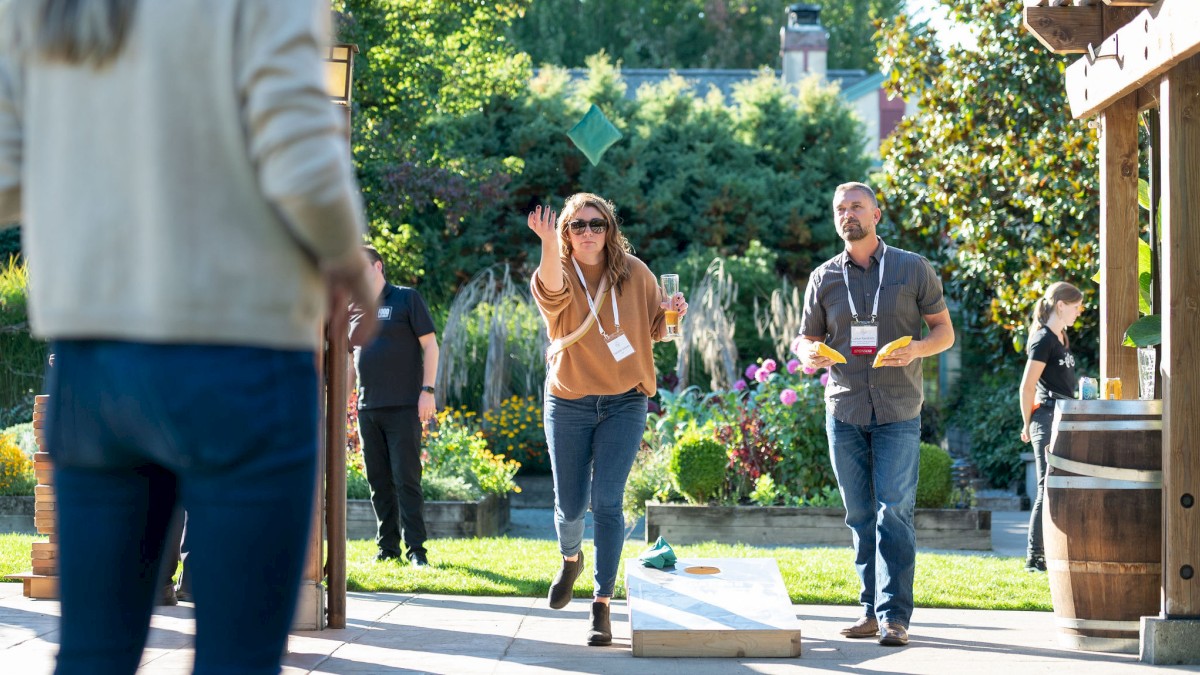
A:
<point x="523" y="567"/>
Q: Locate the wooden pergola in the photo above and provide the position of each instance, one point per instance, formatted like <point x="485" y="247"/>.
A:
<point x="1144" y="55"/>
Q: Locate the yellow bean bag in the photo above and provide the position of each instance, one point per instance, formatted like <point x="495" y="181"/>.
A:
<point x="891" y="347"/>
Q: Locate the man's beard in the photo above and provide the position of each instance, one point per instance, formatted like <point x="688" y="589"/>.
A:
<point x="853" y="231"/>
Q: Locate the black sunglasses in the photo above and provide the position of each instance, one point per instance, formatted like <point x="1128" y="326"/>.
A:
<point x="596" y="225"/>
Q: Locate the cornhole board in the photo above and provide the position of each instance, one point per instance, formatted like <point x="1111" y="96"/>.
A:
<point x="719" y="607"/>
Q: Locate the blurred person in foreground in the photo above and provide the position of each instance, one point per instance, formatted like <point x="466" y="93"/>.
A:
<point x="188" y="205"/>
<point x="858" y="302"/>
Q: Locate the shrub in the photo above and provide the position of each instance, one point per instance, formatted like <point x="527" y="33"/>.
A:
<point x="650" y="477"/>
<point x="357" y="486"/>
<point x="441" y="488"/>
<point x="515" y="430"/>
<point x="987" y="408"/>
<point x="935" y="482"/>
<point x="456" y="448"/>
<point x="22" y="357"/>
<point x="780" y="427"/>
<point x="16" y="469"/>
<point x="697" y="465"/>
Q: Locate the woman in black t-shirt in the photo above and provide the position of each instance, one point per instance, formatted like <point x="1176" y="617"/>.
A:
<point x="1049" y="374"/>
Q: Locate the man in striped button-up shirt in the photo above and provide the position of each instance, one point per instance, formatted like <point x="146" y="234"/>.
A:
<point x="858" y="301"/>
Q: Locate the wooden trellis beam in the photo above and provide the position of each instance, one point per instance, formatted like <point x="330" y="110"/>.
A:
<point x="1155" y="40"/>
<point x="1069" y="29"/>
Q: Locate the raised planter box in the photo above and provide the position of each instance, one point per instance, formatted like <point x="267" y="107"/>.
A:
<point x="16" y="515"/>
<point x="488" y="517"/>
<point x="953" y="529"/>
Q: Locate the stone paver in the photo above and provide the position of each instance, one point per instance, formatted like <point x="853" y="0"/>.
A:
<point x="397" y="633"/>
<point x="391" y="633"/>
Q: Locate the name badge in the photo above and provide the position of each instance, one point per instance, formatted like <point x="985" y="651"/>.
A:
<point x="384" y="313"/>
<point x="620" y="347"/>
<point x="864" y="338"/>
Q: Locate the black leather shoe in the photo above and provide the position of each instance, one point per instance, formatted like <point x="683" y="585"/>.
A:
<point x="563" y="585"/>
<point x="1035" y="563"/>
<point x="600" y="634"/>
<point x="418" y="560"/>
<point x="386" y="555"/>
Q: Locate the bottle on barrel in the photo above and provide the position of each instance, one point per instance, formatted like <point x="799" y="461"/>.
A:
<point x="1112" y="388"/>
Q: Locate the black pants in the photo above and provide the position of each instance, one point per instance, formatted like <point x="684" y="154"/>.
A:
<point x="1040" y="423"/>
<point x="391" y="439"/>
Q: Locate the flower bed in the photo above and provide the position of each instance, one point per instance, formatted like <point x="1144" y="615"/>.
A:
<point x="951" y="529"/>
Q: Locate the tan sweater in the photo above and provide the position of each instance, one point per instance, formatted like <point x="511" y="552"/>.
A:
<point x="587" y="367"/>
<point x="189" y="191"/>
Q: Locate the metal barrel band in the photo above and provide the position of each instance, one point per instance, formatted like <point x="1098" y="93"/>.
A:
<point x="1110" y="425"/>
<point x="1104" y="567"/>
<point x="1096" y="624"/>
<point x="1101" y="471"/>
<point x="1089" y="483"/>
<point x="1098" y="644"/>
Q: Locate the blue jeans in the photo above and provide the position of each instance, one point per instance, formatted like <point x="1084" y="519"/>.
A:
<point x="876" y="467"/>
<point x="593" y="442"/>
<point x="227" y="432"/>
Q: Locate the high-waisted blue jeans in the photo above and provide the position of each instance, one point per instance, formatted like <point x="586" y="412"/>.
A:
<point x="593" y="442"/>
<point x="876" y="467"/>
<point x="228" y="432"/>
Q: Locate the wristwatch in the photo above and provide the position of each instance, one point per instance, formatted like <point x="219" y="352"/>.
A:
<point x="427" y="389"/>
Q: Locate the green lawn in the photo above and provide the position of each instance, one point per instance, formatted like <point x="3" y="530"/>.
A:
<point x="524" y="567"/>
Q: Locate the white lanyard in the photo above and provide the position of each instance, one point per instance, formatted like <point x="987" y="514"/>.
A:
<point x="850" y="296"/>
<point x="592" y="302"/>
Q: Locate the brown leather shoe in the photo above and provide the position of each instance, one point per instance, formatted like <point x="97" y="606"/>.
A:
<point x="894" y="635"/>
<point x="865" y="627"/>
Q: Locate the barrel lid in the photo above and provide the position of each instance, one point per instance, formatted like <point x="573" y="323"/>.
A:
<point x="1106" y="407"/>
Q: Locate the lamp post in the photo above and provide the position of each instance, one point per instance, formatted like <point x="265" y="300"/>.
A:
<point x="339" y="76"/>
<point x="323" y="595"/>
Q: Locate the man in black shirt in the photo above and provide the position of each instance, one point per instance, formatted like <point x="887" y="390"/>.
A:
<point x="396" y="373"/>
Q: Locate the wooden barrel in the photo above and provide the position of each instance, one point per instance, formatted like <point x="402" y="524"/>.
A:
<point x="1102" y="522"/>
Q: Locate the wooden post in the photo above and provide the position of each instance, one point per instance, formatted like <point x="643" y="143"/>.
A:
<point x="335" y="464"/>
<point x="1118" y="240"/>
<point x="1180" y="97"/>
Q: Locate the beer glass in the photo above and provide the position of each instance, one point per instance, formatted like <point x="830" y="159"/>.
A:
<point x="670" y="286"/>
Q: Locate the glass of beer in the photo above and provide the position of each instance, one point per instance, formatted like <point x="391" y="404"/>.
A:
<point x="670" y="286"/>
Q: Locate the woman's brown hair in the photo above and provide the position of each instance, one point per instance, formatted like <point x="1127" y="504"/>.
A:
<point x="616" y="246"/>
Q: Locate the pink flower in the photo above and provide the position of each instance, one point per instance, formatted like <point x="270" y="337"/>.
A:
<point x="809" y="370"/>
<point x="788" y="397"/>
<point x="762" y="375"/>
<point x="824" y="378"/>
<point x="751" y="371"/>
<point x="769" y="365"/>
<point x="793" y="366"/>
<point x="740" y="385"/>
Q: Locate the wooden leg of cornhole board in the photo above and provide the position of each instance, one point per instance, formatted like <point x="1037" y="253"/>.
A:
<point x="719" y="607"/>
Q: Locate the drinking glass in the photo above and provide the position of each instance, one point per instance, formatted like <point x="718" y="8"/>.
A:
<point x="670" y="286"/>
<point x="1146" y="362"/>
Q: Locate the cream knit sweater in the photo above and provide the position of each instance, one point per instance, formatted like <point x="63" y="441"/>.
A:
<point x="191" y="190"/>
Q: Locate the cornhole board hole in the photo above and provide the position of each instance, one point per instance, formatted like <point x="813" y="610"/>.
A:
<point x="718" y="607"/>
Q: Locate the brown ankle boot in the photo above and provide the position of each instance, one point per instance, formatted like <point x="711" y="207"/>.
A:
<point x="600" y="634"/>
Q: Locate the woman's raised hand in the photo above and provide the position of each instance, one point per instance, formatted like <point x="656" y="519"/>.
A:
<point x="541" y="221"/>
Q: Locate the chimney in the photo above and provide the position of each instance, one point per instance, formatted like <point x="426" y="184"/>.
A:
<point x="805" y="46"/>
